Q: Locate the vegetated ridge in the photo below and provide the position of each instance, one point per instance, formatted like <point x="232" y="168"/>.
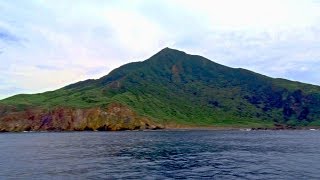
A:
<point x="171" y="89"/>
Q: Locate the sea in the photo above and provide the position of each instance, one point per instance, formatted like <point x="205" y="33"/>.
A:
<point x="172" y="154"/>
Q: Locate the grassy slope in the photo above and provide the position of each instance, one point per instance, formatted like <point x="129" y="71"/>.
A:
<point x="173" y="87"/>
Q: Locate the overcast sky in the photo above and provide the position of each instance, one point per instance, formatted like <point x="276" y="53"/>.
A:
<point x="45" y="45"/>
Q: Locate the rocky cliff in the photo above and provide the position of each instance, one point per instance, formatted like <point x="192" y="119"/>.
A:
<point x="112" y="118"/>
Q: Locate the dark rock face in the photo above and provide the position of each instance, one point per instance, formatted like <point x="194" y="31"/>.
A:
<point x="296" y="106"/>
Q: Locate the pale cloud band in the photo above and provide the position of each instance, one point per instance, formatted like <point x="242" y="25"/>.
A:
<point x="45" y="45"/>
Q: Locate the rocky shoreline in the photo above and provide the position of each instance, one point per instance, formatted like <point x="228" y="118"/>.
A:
<point x="115" y="117"/>
<point x="161" y="128"/>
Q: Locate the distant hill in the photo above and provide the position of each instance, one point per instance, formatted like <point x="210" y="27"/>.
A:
<point x="170" y="89"/>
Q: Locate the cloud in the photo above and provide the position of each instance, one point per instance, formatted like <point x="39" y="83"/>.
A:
<point x="46" y="67"/>
<point x="70" y="41"/>
<point x="5" y="36"/>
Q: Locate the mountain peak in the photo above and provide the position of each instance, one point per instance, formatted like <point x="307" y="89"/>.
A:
<point x="167" y="54"/>
<point x="168" y="50"/>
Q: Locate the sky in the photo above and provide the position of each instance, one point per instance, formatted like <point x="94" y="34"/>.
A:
<point x="47" y="44"/>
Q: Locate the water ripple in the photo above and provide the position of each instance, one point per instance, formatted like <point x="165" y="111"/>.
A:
<point x="161" y="155"/>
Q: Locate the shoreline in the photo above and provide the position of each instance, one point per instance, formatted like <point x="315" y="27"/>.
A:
<point x="311" y="128"/>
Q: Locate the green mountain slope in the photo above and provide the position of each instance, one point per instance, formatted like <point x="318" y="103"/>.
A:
<point x="173" y="87"/>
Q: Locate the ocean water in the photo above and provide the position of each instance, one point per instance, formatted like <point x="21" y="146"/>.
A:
<point x="161" y="155"/>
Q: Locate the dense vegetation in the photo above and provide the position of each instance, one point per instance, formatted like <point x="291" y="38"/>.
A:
<point x="174" y="87"/>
